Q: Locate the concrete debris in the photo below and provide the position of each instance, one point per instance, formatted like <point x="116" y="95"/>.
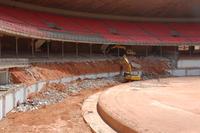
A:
<point x="10" y="86"/>
<point x="56" y="92"/>
<point x="152" y="66"/>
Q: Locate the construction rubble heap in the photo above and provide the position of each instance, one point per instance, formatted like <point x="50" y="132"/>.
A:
<point x="56" y="92"/>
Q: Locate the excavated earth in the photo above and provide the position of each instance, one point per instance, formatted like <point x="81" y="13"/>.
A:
<point x="52" y="71"/>
<point x="63" y="117"/>
<point x="59" y="110"/>
<point x="168" y="105"/>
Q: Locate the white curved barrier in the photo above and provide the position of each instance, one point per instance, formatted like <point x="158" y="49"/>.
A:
<point x="12" y="97"/>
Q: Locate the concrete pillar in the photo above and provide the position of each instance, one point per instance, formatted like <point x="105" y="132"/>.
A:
<point x="25" y="93"/>
<point x="14" y="98"/>
<point x="32" y="46"/>
<point x="175" y="55"/>
<point x="77" y="54"/>
<point x="190" y="49"/>
<point x="104" y="53"/>
<point x="147" y="51"/>
<point x="4" y="77"/>
<point x="161" y="51"/>
<point x="175" y="50"/>
<point x="0" y="47"/>
<point x="16" y="47"/>
<point x="118" y="52"/>
<point x="7" y="76"/>
<point x="90" y="50"/>
<point x="63" y="51"/>
<point x="4" y="106"/>
<point x="48" y="43"/>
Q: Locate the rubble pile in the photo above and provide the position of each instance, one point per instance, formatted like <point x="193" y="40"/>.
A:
<point x="56" y="92"/>
<point x="152" y="66"/>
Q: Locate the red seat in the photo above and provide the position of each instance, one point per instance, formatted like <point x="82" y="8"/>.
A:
<point x="49" y="25"/>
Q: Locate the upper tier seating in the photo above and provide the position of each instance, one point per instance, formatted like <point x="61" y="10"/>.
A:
<point x="45" y="25"/>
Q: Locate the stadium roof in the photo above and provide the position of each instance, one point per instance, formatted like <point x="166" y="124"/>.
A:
<point x="138" y="8"/>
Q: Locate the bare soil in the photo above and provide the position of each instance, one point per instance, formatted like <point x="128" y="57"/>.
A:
<point x="64" y="117"/>
<point x="169" y="105"/>
<point x="52" y="71"/>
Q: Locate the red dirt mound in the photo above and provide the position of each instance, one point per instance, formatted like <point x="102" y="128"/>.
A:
<point x="37" y="72"/>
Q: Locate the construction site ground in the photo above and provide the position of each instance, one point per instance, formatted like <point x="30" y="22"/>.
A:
<point x="57" y="108"/>
<point x="59" y="118"/>
<point x="62" y="117"/>
<point x="169" y="105"/>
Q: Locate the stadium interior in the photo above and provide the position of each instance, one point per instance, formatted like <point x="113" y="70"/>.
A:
<point x="55" y="54"/>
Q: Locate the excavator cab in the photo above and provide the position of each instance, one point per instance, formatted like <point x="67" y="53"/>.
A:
<point x="132" y="76"/>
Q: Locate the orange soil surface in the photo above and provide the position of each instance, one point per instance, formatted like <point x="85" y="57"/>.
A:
<point x="169" y="105"/>
<point x="64" y="117"/>
<point x="38" y="72"/>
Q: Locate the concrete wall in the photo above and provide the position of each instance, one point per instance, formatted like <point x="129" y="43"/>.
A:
<point x="185" y="72"/>
<point x="1" y="107"/>
<point x="19" y="96"/>
<point x="9" y="102"/>
<point x="4" y="77"/>
<point x="188" y="63"/>
<point x="10" y="98"/>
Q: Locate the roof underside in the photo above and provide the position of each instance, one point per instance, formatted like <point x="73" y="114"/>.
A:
<point x="138" y="8"/>
<point x="54" y="27"/>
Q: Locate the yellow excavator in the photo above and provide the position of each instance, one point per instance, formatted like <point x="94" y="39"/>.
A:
<point x="129" y="75"/>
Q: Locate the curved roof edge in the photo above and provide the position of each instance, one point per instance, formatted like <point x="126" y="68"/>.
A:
<point x="92" y="15"/>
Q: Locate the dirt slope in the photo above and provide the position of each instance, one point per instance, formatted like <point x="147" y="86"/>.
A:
<point x="38" y="72"/>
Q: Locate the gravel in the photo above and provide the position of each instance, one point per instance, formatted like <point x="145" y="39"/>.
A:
<point x="55" y="93"/>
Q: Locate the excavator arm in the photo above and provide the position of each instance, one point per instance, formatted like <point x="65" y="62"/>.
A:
<point x="128" y="64"/>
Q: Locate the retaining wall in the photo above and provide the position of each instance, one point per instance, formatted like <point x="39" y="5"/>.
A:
<point x="195" y="63"/>
<point x="12" y="97"/>
<point x="182" y="72"/>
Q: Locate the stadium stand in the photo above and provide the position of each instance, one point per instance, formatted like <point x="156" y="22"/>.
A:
<point x="38" y="24"/>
